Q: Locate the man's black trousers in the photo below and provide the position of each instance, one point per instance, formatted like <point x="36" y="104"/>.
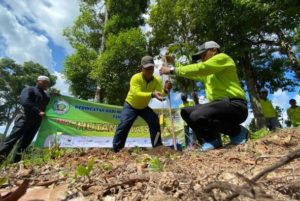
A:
<point x="23" y="132"/>
<point x="221" y="116"/>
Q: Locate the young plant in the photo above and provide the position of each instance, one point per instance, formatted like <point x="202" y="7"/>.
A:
<point x="155" y="165"/>
<point x="106" y="166"/>
<point x="55" y="151"/>
<point x="85" y="171"/>
<point x="3" y="180"/>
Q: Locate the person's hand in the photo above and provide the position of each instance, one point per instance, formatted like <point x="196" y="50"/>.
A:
<point x="158" y="95"/>
<point x="168" y="86"/>
<point x="41" y="114"/>
<point x="164" y="70"/>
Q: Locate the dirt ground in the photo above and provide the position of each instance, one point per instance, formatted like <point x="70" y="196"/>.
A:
<point x="258" y="170"/>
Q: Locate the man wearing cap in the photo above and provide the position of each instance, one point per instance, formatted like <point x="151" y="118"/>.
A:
<point x="143" y="86"/>
<point x="294" y="113"/>
<point x="227" y="107"/>
<point x="269" y="112"/>
<point x="34" y="101"/>
<point x="188" y="132"/>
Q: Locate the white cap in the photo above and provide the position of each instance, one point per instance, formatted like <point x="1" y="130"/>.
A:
<point x="43" y="77"/>
<point x="205" y="46"/>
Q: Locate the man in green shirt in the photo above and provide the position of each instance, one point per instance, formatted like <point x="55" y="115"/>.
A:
<point x="188" y="132"/>
<point x="268" y="111"/>
<point x="143" y="87"/>
<point x="227" y="108"/>
<point x="294" y="113"/>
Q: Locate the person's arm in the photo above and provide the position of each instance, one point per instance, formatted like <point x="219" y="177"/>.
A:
<point x="136" y="87"/>
<point x="213" y="65"/>
<point x="27" y="100"/>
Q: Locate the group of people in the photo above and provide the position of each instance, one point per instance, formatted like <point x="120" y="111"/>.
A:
<point x="269" y="112"/>
<point x="225" y="111"/>
<point x="271" y="115"/>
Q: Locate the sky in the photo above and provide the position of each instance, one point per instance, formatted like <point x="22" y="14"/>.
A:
<point x="32" y="30"/>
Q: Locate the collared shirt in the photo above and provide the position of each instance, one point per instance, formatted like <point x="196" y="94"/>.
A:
<point x="267" y="109"/>
<point x="34" y="100"/>
<point x="294" y="115"/>
<point x="219" y="76"/>
<point x="139" y="94"/>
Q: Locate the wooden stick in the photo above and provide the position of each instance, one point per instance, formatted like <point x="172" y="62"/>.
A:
<point x="170" y="110"/>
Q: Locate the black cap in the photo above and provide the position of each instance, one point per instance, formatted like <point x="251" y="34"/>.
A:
<point x="147" y="61"/>
<point x="183" y="96"/>
<point x="292" y="101"/>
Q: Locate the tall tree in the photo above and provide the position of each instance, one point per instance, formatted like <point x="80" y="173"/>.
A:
<point x="118" y="63"/>
<point x="245" y="31"/>
<point x="117" y="20"/>
<point x="13" y="79"/>
<point x="85" y="36"/>
<point x="174" y="27"/>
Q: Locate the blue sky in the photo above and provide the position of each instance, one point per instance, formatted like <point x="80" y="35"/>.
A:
<point x="32" y="30"/>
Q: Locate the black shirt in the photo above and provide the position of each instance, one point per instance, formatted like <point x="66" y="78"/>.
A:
<point x="34" y="100"/>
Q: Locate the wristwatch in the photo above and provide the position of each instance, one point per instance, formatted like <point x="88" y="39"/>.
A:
<point x="172" y="70"/>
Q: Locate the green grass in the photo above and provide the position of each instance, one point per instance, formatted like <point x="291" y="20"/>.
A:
<point x="259" y="134"/>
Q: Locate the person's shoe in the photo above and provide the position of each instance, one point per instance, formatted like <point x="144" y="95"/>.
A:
<point x="214" y="144"/>
<point x="241" y="138"/>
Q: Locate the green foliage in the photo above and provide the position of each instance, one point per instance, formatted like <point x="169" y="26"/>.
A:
<point x="173" y="26"/>
<point x="55" y="152"/>
<point x="170" y="155"/>
<point x="155" y="165"/>
<point x="3" y="180"/>
<point x="85" y="36"/>
<point x="108" y="65"/>
<point x="87" y="28"/>
<point x="85" y="171"/>
<point x="259" y="134"/>
<point x="114" y="67"/>
<point x="124" y="15"/>
<point x="136" y="150"/>
<point x="77" y="68"/>
<point x="106" y="166"/>
<point x="252" y="32"/>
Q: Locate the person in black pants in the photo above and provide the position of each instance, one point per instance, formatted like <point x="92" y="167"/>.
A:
<point x="227" y="107"/>
<point x="34" y="101"/>
<point x="143" y="86"/>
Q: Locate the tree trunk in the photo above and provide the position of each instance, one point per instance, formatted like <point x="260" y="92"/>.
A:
<point x="291" y="55"/>
<point x="253" y="93"/>
<point x="99" y="91"/>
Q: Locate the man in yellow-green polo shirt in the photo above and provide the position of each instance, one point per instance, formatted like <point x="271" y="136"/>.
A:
<point x="227" y="107"/>
<point x="294" y="113"/>
<point x="143" y="87"/>
<point x="268" y="111"/>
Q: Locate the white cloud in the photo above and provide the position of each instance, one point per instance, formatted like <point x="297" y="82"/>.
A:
<point x="28" y="26"/>
<point x="61" y="84"/>
<point x="281" y="98"/>
<point x="48" y="16"/>
<point x="20" y="43"/>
